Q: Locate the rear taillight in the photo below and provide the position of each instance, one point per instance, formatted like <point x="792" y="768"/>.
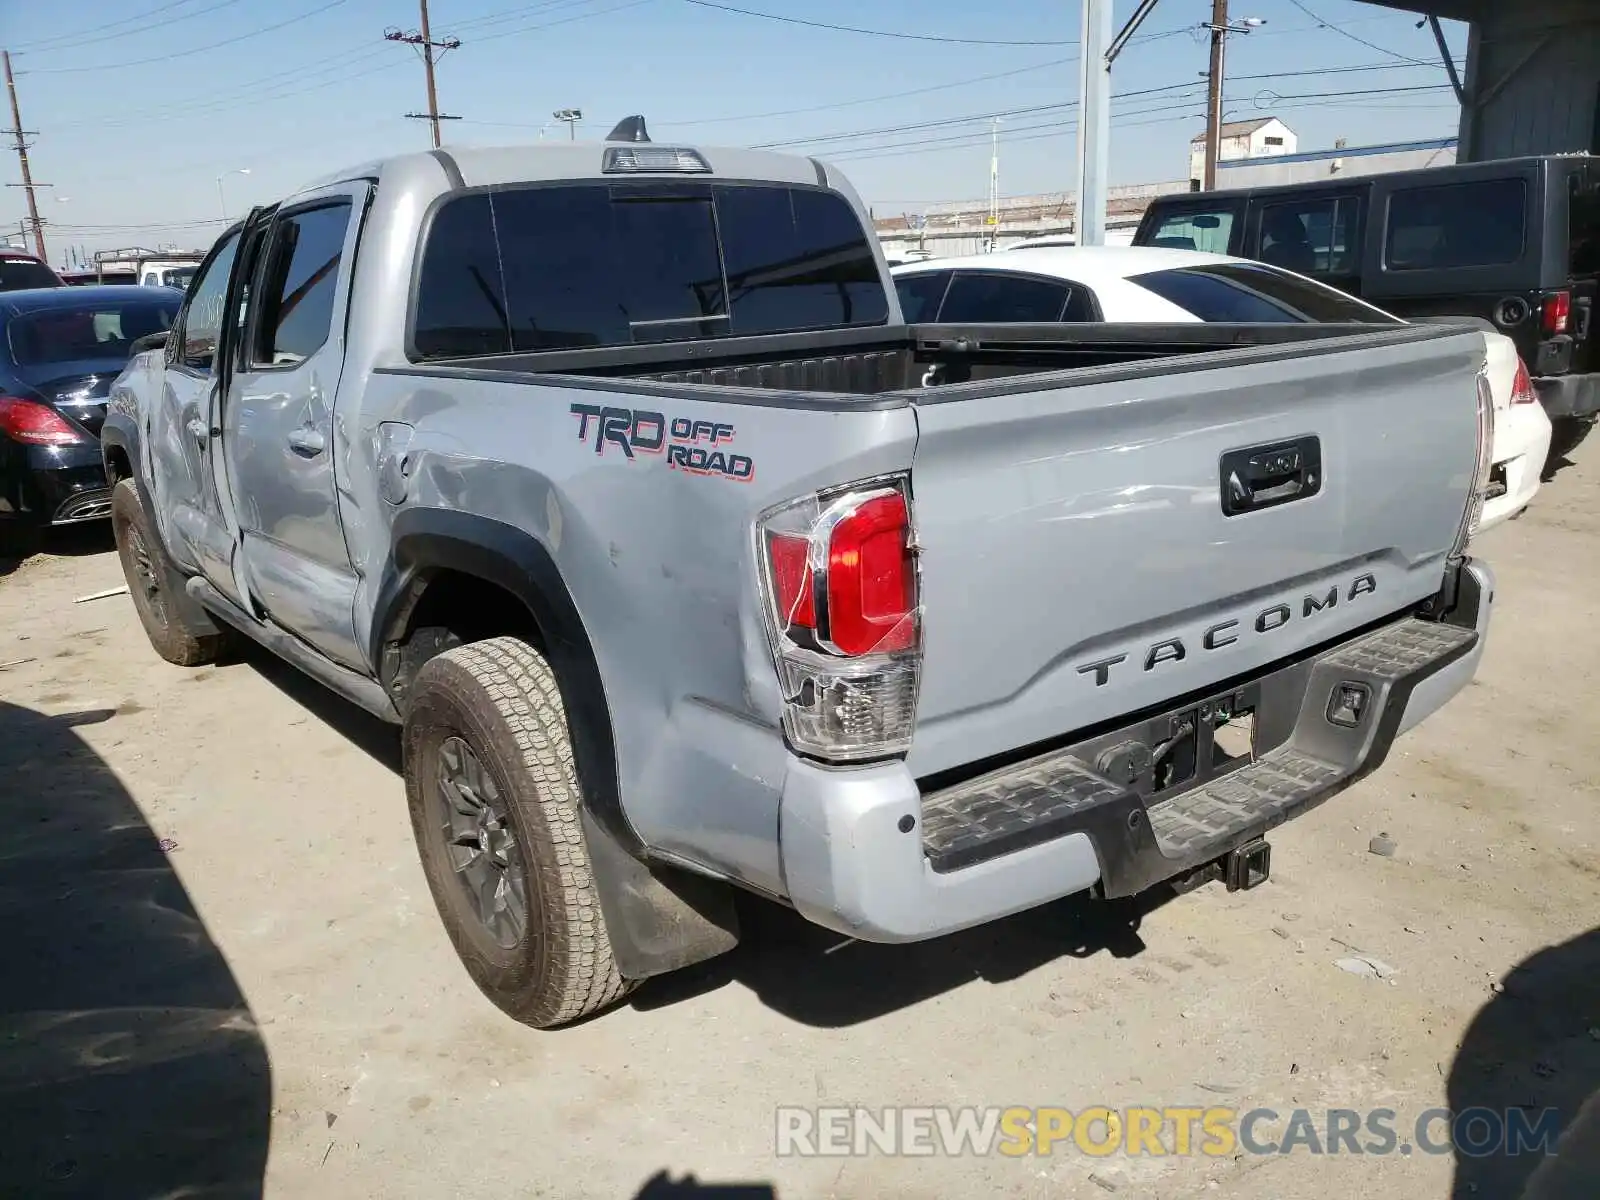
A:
<point x="1522" y="390"/>
<point x="839" y="581"/>
<point x="1480" y="476"/>
<point x="1557" y="312"/>
<point x="36" y="424"/>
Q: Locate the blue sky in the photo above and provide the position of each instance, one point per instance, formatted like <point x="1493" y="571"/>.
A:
<point x="140" y="104"/>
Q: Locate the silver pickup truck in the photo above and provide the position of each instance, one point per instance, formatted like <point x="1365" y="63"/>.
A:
<point x="610" y="472"/>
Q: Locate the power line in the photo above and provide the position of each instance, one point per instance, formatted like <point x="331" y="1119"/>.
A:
<point x="100" y="68"/>
<point x="1363" y="41"/>
<point x="136" y="20"/>
<point x="881" y="33"/>
<point x="78" y="42"/>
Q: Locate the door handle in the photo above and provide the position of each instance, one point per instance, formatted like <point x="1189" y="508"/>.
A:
<point x="308" y="441"/>
<point x="198" y="429"/>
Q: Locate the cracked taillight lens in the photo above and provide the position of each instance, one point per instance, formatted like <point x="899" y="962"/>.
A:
<point x="839" y="583"/>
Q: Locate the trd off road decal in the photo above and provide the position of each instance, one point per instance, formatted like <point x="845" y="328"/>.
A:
<point x="698" y="447"/>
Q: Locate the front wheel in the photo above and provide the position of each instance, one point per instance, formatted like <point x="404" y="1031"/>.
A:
<point x="153" y="581"/>
<point x="494" y="802"/>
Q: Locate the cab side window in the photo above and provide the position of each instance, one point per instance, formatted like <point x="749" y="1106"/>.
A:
<point x="299" y="285"/>
<point x="196" y="344"/>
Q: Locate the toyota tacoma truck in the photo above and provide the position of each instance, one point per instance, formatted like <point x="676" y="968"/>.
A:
<point x="610" y="473"/>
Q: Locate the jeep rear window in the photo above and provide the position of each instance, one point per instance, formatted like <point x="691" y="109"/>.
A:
<point x="587" y="265"/>
<point x="1477" y="224"/>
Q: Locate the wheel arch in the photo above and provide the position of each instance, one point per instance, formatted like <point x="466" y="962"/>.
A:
<point x="660" y="917"/>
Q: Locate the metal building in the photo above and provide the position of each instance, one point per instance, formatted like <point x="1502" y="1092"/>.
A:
<point x="1532" y="84"/>
<point x="1342" y="162"/>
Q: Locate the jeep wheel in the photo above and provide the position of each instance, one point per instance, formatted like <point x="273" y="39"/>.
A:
<point x="494" y="806"/>
<point x="152" y="580"/>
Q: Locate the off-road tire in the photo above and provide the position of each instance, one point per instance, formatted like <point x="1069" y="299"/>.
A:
<point x="152" y="581"/>
<point x="500" y="698"/>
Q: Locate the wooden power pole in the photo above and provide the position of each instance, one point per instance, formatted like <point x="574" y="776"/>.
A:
<point x="22" y="156"/>
<point x="423" y="40"/>
<point x="1219" y="42"/>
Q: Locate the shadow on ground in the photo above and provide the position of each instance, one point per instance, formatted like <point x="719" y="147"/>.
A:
<point x="806" y="972"/>
<point x="130" y="1064"/>
<point x="74" y="541"/>
<point x="1535" y="1047"/>
<point x="821" y="978"/>
<point x="661" y="1186"/>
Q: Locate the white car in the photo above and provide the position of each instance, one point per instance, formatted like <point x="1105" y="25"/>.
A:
<point x="1152" y="285"/>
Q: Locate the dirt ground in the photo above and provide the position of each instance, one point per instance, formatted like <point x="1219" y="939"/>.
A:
<point x="223" y="976"/>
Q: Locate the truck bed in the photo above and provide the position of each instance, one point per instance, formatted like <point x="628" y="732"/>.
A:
<point x="873" y="362"/>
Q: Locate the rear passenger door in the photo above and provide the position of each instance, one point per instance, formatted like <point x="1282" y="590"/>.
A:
<point x="280" y="436"/>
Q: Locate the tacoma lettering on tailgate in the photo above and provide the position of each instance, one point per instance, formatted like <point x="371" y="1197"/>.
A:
<point x="1225" y="633"/>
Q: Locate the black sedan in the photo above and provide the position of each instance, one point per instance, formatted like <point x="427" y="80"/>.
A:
<point x="60" y="350"/>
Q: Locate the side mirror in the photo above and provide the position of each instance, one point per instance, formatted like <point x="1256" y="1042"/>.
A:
<point x="150" y="341"/>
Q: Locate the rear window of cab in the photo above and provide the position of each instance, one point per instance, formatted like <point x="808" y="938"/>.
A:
<point x="590" y="265"/>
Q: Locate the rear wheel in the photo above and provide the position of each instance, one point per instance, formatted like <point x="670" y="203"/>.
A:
<point x="152" y="582"/>
<point x="494" y="794"/>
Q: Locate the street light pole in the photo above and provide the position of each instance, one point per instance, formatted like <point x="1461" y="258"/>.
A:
<point x="994" y="184"/>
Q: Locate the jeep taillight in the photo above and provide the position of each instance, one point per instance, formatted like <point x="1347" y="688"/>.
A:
<point x="839" y="581"/>
<point x="1557" y="312"/>
<point x="1522" y="389"/>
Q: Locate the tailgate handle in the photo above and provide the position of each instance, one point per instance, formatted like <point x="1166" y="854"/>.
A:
<point x="1258" y="477"/>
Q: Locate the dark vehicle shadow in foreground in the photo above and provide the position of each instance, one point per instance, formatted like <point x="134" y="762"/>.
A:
<point x="1535" y="1047"/>
<point x="75" y="541"/>
<point x="130" y="1063"/>
<point x="661" y="1186"/>
<point x="808" y="973"/>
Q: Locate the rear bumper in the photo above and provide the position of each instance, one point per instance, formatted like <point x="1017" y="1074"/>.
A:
<point x="1569" y="395"/>
<point x="1521" y="445"/>
<point x="865" y="853"/>
<point x="48" y="485"/>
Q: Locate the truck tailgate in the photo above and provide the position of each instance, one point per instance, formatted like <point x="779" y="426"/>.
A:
<point x="1077" y="562"/>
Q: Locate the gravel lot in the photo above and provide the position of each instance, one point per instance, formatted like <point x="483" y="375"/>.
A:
<point x="223" y="972"/>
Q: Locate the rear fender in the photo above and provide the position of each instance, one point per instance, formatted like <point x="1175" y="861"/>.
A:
<point x="658" y="917"/>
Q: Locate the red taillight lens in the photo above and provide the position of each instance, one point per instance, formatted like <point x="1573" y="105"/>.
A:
<point x="871" y="590"/>
<point x="791" y="579"/>
<point x="839" y="586"/>
<point x="1557" y="312"/>
<point x="1522" y="390"/>
<point x="36" y="424"/>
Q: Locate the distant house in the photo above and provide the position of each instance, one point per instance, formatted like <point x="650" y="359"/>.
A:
<point x="1262" y="138"/>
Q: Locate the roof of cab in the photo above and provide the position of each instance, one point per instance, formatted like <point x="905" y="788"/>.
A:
<point x="479" y="166"/>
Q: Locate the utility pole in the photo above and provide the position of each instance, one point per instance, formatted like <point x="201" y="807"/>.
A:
<point x="423" y="40"/>
<point x="1219" y="43"/>
<point x="22" y="156"/>
<point x="1220" y="29"/>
